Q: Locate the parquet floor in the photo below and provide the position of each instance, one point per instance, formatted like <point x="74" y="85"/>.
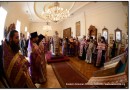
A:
<point x="85" y="68"/>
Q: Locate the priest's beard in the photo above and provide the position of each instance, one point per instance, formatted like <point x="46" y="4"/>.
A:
<point x="15" y="47"/>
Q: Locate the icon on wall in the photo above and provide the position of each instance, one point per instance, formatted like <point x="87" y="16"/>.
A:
<point x="111" y="38"/>
<point x="78" y="28"/>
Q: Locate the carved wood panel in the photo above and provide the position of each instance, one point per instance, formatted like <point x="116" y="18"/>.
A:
<point x="78" y="28"/>
<point x="92" y="31"/>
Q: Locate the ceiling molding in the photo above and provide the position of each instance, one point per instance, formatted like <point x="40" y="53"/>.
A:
<point x="78" y="8"/>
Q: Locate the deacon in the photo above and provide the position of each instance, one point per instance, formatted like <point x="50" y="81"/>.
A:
<point x="35" y="60"/>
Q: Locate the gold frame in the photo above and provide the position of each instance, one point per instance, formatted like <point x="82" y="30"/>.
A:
<point x="123" y="38"/>
<point x="78" y="28"/>
<point x="111" y="38"/>
<point x="99" y="36"/>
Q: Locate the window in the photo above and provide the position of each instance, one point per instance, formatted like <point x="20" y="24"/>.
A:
<point x="18" y="24"/>
<point x="105" y="33"/>
<point x="118" y="35"/>
<point x="26" y="29"/>
<point x="28" y="35"/>
<point x="3" y="14"/>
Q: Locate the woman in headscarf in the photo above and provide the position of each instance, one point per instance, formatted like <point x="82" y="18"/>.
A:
<point x="101" y="54"/>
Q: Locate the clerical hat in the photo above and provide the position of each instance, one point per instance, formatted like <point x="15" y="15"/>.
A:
<point x="34" y="34"/>
<point x="41" y="36"/>
<point x="91" y="37"/>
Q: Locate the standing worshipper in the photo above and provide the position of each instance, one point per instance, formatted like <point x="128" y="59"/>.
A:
<point x="71" y="47"/>
<point x="23" y="44"/>
<point x="101" y="52"/>
<point x="77" y="46"/>
<point x="14" y="63"/>
<point x="41" y="47"/>
<point x="27" y="41"/>
<point x="56" y="44"/>
<point x="20" y="42"/>
<point x="45" y="42"/>
<point x="64" y="47"/>
<point x="113" y="51"/>
<point x="94" y="55"/>
<point x="89" y="51"/>
<point x="36" y="59"/>
<point x="118" y="48"/>
<point x="83" y="45"/>
<point x="67" y="47"/>
<point x="51" y="44"/>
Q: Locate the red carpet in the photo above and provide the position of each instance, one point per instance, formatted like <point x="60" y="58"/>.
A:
<point x="69" y="77"/>
<point x="51" y="59"/>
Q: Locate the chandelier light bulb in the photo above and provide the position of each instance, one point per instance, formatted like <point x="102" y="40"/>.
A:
<point x="56" y="13"/>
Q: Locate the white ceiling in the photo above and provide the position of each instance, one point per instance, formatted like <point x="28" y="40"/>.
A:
<point x="27" y="8"/>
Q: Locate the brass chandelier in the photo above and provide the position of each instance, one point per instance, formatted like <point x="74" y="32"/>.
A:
<point x="52" y="11"/>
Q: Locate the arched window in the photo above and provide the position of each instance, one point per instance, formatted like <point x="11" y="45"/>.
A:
<point x="3" y="14"/>
<point x="18" y="25"/>
<point x="28" y="35"/>
<point x="118" y="35"/>
<point x="105" y="33"/>
<point x="26" y="29"/>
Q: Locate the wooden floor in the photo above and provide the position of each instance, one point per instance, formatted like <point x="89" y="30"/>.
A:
<point x="85" y="68"/>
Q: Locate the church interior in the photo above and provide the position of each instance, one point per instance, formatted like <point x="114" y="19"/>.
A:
<point x="64" y="44"/>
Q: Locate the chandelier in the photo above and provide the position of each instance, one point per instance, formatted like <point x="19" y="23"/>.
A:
<point x="53" y="11"/>
<point x="47" y="27"/>
<point x="56" y="13"/>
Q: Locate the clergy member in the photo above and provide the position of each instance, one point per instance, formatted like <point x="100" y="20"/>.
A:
<point x="64" y="47"/>
<point x="56" y="44"/>
<point x="41" y="47"/>
<point x="14" y="63"/>
<point x="36" y="59"/>
<point x="82" y="51"/>
<point x="89" y="51"/>
<point x="101" y="52"/>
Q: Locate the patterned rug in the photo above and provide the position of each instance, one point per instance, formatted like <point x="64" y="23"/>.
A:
<point x="51" y="58"/>
<point x="69" y="77"/>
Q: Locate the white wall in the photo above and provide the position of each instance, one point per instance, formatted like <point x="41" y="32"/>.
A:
<point x="110" y="15"/>
<point x="14" y="14"/>
<point x="100" y="14"/>
<point x="71" y="22"/>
